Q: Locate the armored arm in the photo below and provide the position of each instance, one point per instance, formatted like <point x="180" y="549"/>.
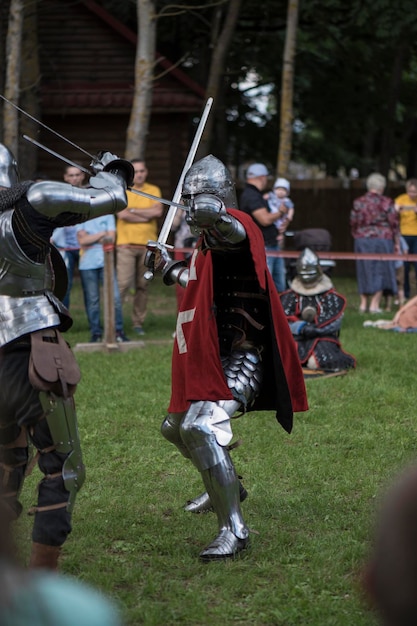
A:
<point x="310" y="331"/>
<point x="172" y="271"/>
<point x="52" y="198"/>
<point x="208" y="215"/>
<point x="106" y="193"/>
<point x="176" y="272"/>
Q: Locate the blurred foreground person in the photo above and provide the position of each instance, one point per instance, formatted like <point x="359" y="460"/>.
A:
<point x="314" y="311"/>
<point x="43" y="598"/>
<point x="233" y="349"/>
<point x="390" y="578"/>
<point x="38" y="372"/>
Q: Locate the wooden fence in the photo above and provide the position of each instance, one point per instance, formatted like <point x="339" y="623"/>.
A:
<point x="327" y="204"/>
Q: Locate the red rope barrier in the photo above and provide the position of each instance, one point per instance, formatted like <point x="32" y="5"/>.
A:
<point x="342" y="256"/>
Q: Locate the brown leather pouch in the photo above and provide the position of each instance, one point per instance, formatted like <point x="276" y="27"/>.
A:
<point x="52" y="365"/>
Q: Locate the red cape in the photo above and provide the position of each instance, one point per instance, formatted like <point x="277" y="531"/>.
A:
<point x="197" y="372"/>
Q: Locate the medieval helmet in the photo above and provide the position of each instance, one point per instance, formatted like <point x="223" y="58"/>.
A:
<point x="210" y="175"/>
<point x="308" y="267"/>
<point x="9" y="175"/>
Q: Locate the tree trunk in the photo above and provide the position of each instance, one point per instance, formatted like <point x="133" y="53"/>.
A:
<point x="4" y="16"/>
<point x="13" y="69"/>
<point x="387" y="138"/>
<point x="29" y="98"/>
<point x="287" y="86"/>
<point x="145" y="58"/>
<point x="221" y="45"/>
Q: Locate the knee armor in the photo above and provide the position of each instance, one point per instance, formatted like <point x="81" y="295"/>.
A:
<point x="206" y="427"/>
<point x="62" y="421"/>
<point x="170" y="429"/>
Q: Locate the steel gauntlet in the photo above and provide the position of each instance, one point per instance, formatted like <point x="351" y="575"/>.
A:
<point x="205" y="211"/>
<point x="208" y="213"/>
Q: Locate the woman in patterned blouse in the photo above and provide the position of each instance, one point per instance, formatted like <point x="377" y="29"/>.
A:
<point x="375" y="229"/>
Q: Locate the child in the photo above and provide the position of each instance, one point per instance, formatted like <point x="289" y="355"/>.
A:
<point x="280" y="203"/>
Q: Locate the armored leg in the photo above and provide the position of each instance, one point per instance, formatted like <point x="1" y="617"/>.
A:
<point x="206" y="431"/>
<point x="170" y="429"/>
<point x="243" y="371"/>
<point x="223" y="487"/>
<point x="202" y="502"/>
<point x="19" y="407"/>
<point x="43" y="556"/>
<point x="62" y="422"/>
<point x="55" y="437"/>
<point x="14" y="456"/>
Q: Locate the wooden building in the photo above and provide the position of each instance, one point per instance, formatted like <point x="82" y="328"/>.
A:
<point x="86" y="62"/>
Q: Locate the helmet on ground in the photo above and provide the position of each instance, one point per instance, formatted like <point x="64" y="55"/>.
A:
<point x="308" y="267"/>
<point x="9" y="175"/>
<point x="210" y="175"/>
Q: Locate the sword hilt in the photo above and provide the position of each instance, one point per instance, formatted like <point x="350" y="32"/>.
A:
<point x="155" y="253"/>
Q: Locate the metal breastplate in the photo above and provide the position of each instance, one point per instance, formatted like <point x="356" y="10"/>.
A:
<point x="19" y="276"/>
<point x="26" y="301"/>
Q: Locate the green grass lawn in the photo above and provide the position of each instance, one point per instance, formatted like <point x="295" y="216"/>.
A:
<point x="312" y="494"/>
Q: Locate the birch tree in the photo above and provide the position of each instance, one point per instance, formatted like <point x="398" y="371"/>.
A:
<point x="144" y="64"/>
<point x="286" y="119"/>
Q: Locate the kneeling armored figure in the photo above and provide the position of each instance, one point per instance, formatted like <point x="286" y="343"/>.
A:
<point x="314" y="311"/>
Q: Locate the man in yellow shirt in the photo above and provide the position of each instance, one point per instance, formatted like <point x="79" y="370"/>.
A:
<point x="406" y="205"/>
<point x="136" y="225"/>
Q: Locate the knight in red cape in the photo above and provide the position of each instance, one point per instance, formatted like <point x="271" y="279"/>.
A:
<point x="233" y="347"/>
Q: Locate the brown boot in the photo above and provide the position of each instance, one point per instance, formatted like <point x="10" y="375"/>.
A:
<point x="43" y="556"/>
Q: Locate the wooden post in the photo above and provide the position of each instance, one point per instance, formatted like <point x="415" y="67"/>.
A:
<point x="108" y="292"/>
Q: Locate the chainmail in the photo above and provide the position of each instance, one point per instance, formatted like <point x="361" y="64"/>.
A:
<point x="330" y="356"/>
<point x="9" y="197"/>
<point x="329" y="305"/>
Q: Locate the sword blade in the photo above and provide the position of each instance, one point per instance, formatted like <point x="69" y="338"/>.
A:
<point x="169" y="219"/>
<point x="55" y="154"/>
<point x="158" y="199"/>
<point x="83" y="169"/>
<point x="45" y="126"/>
<point x="167" y="225"/>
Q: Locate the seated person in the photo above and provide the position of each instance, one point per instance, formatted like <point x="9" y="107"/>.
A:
<point x="314" y="311"/>
<point x="404" y="321"/>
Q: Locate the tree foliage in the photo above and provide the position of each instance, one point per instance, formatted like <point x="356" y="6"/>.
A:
<point x="351" y="68"/>
<point x="354" y="83"/>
